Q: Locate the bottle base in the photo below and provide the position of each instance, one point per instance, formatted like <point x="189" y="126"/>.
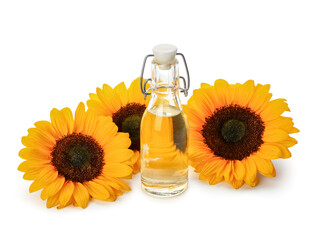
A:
<point x="163" y="190"/>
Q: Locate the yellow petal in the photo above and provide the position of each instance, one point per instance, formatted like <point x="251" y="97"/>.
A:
<point x="264" y="166"/>
<point x="32" y="173"/>
<point x="33" y="141"/>
<point x="106" y="183"/>
<point x="81" y="195"/>
<point x="97" y="191"/>
<point x="275" y="135"/>
<point x="58" y="121"/>
<point x="97" y="106"/>
<point x="290" y="142"/>
<point x="109" y="98"/>
<point x="35" y="186"/>
<point x="102" y="121"/>
<point x="68" y="118"/>
<point x="79" y="118"/>
<point x="135" y="157"/>
<point x="90" y="123"/>
<point x="121" y="91"/>
<point x="260" y="98"/>
<point x="46" y="128"/>
<point x="94" y="97"/>
<point x="46" y="176"/>
<point x="203" y="177"/>
<point x="211" y="167"/>
<point x="196" y="118"/>
<point x="196" y="136"/>
<point x="123" y="185"/>
<point x="70" y="201"/>
<point x="203" y="103"/>
<point x="117" y="169"/>
<point x="244" y="93"/>
<point x="112" y="192"/>
<point x="238" y="170"/>
<point x="53" y="188"/>
<point x="199" y="153"/>
<point x="106" y="131"/>
<point x="215" y="180"/>
<point x="269" y="151"/>
<point x="39" y="139"/>
<point x="294" y="130"/>
<point x="136" y="162"/>
<point x="237" y="183"/>
<point x="251" y="172"/>
<point x="27" y="165"/>
<point x="24" y="166"/>
<point x="285" y="153"/>
<point x="200" y="165"/>
<point x="285" y="123"/>
<point x="253" y="183"/>
<point x="102" y="181"/>
<point x="221" y="169"/>
<point x="36" y="154"/>
<point x="121" y="140"/>
<point x="117" y="192"/>
<point x="66" y="192"/>
<point x="205" y="85"/>
<point x="52" y="201"/>
<point x="228" y="174"/>
<point x="274" y="109"/>
<point x="223" y="92"/>
<point x="134" y="92"/>
<point x="119" y="156"/>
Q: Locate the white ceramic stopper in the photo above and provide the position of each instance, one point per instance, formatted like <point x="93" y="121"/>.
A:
<point x="165" y="53"/>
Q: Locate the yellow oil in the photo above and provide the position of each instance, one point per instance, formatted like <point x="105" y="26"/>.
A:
<point x="164" y="152"/>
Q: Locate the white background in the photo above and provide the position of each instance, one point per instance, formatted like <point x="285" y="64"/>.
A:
<point x="54" y="53"/>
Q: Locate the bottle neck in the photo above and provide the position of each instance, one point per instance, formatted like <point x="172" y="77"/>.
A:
<point x="165" y="85"/>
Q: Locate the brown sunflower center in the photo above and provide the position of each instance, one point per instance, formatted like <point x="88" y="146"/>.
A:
<point x="233" y="132"/>
<point x="128" y="120"/>
<point x="78" y="157"/>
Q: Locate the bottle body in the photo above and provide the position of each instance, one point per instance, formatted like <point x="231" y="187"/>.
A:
<point x="164" y="137"/>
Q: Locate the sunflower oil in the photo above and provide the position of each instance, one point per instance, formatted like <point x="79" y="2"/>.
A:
<point x="164" y="128"/>
<point x="164" y="166"/>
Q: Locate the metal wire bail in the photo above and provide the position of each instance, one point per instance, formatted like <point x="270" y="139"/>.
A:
<point x="186" y="84"/>
<point x="143" y="87"/>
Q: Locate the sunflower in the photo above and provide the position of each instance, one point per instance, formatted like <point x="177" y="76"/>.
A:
<point x="126" y="107"/>
<point x="75" y="159"/>
<point x="235" y="132"/>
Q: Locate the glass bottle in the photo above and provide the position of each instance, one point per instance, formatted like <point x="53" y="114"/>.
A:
<point x="164" y="127"/>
